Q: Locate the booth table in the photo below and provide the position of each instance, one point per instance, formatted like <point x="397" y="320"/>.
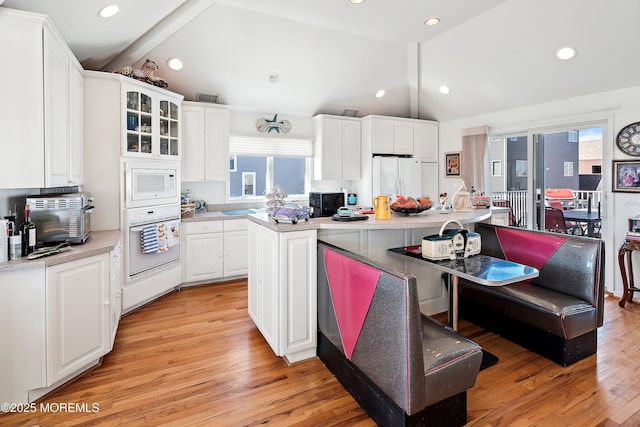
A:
<point x="481" y="269"/>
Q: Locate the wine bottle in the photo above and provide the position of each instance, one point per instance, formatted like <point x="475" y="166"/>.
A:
<point x="28" y="233"/>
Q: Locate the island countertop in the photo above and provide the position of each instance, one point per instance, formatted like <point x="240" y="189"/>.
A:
<point x="426" y="219"/>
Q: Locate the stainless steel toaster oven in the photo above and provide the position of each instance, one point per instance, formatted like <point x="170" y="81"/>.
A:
<point x="61" y="217"/>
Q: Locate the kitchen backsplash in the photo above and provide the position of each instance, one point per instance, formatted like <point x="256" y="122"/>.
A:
<point x="14" y="200"/>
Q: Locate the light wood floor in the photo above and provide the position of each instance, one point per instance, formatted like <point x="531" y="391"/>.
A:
<point x="194" y="357"/>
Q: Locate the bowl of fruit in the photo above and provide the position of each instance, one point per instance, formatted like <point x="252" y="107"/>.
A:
<point x="409" y="205"/>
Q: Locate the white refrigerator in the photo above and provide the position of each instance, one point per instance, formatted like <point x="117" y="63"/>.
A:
<point x="396" y="175"/>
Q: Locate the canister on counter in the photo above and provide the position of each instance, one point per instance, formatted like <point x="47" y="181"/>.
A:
<point x="352" y="199"/>
<point x="15" y="246"/>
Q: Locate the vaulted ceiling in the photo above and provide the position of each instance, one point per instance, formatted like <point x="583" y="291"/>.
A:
<point x="331" y="55"/>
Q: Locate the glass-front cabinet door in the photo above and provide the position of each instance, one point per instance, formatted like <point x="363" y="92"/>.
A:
<point x="169" y="134"/>
<point x="152" y="124"/>
<point x="139" y="122"/>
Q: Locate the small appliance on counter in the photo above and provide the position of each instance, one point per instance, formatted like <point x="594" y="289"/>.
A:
<point x="451" y="244"/>
<point x="325" y="203"/>
<point x="61" y="217"/>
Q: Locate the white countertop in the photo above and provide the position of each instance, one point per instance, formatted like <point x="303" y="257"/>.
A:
<point x="99" y="242"/>
<point x="426" y="219"/>
<point x="211" y="216"/>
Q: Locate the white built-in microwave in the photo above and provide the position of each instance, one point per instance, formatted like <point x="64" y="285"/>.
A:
<point x="151" y="183"/>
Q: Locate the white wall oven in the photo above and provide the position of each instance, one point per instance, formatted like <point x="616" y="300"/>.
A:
<point x="151" y="183"/>
<point x="152" y="264"/>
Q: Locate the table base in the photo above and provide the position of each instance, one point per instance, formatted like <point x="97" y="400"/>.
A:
<point x="488" y="359"/>
<point x="626" y="248"/>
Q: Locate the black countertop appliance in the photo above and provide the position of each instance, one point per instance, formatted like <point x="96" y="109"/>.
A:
<point x="325" y="203"/>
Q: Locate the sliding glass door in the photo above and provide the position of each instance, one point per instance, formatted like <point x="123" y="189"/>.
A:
<point x="559" y="168"/>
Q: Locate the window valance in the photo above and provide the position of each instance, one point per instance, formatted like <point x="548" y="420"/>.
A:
<point x="276" y="147"/>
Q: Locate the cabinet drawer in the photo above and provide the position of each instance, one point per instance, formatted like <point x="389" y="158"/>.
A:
<point x="203" y="227"/>
<point x="235" y="225"/>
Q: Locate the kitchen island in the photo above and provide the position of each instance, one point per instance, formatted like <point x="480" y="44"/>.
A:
<point x="283" y="265"/>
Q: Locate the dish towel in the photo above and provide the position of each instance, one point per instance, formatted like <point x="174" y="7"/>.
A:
<point x="149" y="239"/>
<point x="173" y="235"/>
<point x="163" y="242"/>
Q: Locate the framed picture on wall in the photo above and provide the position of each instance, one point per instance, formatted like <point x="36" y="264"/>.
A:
<point x="452" y="160"/>
<point x="626" y="176"/>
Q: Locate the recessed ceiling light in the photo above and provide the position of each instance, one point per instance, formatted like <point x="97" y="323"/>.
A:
<point x="444" y="89"/>
<point x="431" y="21"/>
<point x="108" y="11"/>
<point x="380" y="93"/>
<point x="175" y="64"/>
<point x="566" y="53"/>
<point x="356" y="1"/>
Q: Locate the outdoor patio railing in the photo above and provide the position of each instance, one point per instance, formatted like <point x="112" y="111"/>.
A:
<point x="518" y="200"/>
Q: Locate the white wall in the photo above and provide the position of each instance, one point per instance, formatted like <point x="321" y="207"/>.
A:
<point x="618" y="108"/>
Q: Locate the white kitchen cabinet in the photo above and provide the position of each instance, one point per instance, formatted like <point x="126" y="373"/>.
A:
<point x="235" y="247"/>
<point x="425" y="140"/>
<point x="64" y="99"/>
<point x="429" y="180"/>
<point x="388" y="135"/>
<point x="116" y="280"/>
<point x="39" y="112"/>
<point x="263" y="288"/>
<point x="151" y="120"/>
<point x="282" y="289"/>
<point x="22" y="316"/>
<point x="214" y="250"/>
<point x="401" y="136"/>
<point x="204" y="250"/>
<point x="76" y="125"/>
<point x="380" y="131"/>
<point x="105" y="138"/>
<point x="337" y="153"/>
<point x="78" y="315"/>
<point x="205" y="148"/>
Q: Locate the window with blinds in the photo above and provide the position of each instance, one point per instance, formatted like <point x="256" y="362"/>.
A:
<point x="259" y="164"/>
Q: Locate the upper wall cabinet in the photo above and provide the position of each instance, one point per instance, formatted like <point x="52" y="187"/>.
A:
<point x="389" y="135"/>
<point x="152" y="118"/>
<point x="205" y="136"/>
<point x="425" y="140"/>
<point x="108" y="138"/>
<point x="400" y="136"/>
<point x="41" y="112"/>
<point x="337" y="147"/>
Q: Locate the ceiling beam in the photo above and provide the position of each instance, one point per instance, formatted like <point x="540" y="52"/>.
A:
<point x="164" y="29"/>
<point x="413" y="78"/>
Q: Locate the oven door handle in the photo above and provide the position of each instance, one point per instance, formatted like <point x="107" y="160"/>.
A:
<point x="136" y="229"/>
